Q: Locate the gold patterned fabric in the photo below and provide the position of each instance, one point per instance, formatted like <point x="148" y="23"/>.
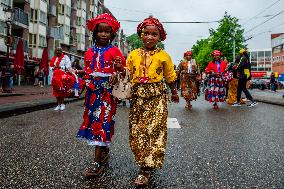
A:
<point x="148" y="124"/>
<point x="232" y="93"/>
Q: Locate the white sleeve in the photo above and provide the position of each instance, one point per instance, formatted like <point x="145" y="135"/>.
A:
<point x="67" y="62"/>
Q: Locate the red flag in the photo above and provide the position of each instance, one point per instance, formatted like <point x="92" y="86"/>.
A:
<point x="44" y="62"/>
<point x="19" y="58"/>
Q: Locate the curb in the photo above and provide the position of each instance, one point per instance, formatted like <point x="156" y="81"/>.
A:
<point x="31" y="108"/>
<point x="269" y="102"/>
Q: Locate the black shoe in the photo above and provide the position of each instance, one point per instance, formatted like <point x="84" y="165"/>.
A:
<point x="252" y="104"/>
<point x="95" y="169"/>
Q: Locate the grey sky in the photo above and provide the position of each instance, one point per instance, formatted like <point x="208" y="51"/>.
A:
<point x="181" y="37"/>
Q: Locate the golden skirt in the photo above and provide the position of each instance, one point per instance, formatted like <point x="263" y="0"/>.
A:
<point x="232" y="93"/>
<point x="148" y="124"/>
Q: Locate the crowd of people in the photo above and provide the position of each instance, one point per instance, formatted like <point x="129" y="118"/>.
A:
<point x="151" y="69"/>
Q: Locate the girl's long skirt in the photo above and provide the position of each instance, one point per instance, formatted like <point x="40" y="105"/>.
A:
<point x="188" y="87"/>
<point x="99" y="114"/>
<point x="148" y="124"/>
<point x="215" y="91"/>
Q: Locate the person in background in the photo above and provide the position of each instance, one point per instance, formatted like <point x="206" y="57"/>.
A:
<point x="215" y="91"/>
<point x="188" y="71"/>
<point x="273" y="82"/>
<point x="36" y="76"/>
<point x="11" y="83"/>
<point x="60" y="63"/>
<point x="244" y="74"/>
<point x="41" y="78"/>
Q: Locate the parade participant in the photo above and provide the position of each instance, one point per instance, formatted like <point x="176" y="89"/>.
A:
<point x="215" y="90"/>
<point x="244" y="75"/>
<point x="188" y="72"/>
<point x="148" y="112"/>
<point x="233" y="83"/>
<point x="62" y="79"/>
<point x="101" y="61"/>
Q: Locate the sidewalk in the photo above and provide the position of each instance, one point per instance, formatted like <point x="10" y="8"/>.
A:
<point x="31" y="98"/>
<point x="26" y="99"/>
<point x="267" y="96"/>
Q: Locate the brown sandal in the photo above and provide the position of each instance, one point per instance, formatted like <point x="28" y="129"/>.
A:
<point x="142" y="179"/>
<point x="95" y="169"/>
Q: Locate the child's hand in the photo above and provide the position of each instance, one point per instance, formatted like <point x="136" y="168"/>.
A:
<point x="117" y="62"/>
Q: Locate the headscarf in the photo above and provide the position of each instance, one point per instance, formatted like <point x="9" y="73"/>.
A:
<point x="216" y="53"/>
<point x="151" y="21"/>
<point x="242" y="51"/>
<point x="187" y="53"/>
<point x="103" y="18"/>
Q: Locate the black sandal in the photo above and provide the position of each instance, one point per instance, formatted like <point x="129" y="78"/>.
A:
<point x="94" y="169"/>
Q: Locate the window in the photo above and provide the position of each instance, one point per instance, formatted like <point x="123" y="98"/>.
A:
<point x="42" y="41"/>
<point x="68" y="10"/>
<point x="83" y="22"/>
<point x="79" y="21"/>
<point x="35" y="15"/>
<point x="3" y="28"/>
<point x="43" y="17"/>
<point x="67" y="30"/>
<point x="60" y="9"/>
<point x="32" y="40"/>
<point x="32" y="15"/>
<point x="79" y="4"/>
<point x="6" y="2"/>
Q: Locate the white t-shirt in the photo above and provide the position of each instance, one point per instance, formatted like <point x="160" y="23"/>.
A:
<point x="65" y="62"/>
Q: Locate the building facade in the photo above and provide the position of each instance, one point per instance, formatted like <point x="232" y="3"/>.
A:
<point x="49" y="24"/>
<point x="261" y="62"/>
<point x="277" y="44"/>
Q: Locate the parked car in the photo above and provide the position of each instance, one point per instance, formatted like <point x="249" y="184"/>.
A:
<point x="259" y="84"/>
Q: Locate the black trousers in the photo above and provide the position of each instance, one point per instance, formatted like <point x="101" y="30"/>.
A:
<point x="242" y="87"/>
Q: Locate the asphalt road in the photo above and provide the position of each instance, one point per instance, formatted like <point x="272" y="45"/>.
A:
<point x="233" y="147"/>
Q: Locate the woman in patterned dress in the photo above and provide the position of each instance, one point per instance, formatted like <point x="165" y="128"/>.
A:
<point x="102" y="60"/>
<point x="215" y="91"/>
<point x="148" y="112"/>
<point x="188" y="72"/>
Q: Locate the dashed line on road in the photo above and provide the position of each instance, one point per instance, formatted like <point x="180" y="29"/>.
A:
<point x="172" y="123"/>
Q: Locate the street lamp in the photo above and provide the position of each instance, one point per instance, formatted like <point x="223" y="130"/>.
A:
<point x="8" y="42"/>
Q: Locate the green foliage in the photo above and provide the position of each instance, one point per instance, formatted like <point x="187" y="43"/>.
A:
<point x="221" y="39"/>
<point x="135" y="42"/>
<point x="224" y="36"/>
<point x="202" y="51"/>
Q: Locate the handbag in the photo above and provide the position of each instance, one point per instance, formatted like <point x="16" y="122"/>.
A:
<point x="122" y="89"/>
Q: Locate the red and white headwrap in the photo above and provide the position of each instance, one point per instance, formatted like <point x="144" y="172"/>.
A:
<point x="151" y="21"/>
<point x="103" y="18"/>
<point x="187" y="53"/>
<point x="216" y="53"/>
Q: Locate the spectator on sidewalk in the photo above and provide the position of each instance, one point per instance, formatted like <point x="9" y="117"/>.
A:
<point x="41" y="78"/>
<point x="36" y="76"/>
<point x="273" y="85"/>
<point x="11" y="83"/>
<point x="62" y="79"/>
<point x="244" y="74"/>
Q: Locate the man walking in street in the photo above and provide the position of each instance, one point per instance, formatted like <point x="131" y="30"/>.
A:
<point x="244" y="74"/>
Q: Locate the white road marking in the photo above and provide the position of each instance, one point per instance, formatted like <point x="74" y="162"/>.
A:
<point x="173" y="123"/>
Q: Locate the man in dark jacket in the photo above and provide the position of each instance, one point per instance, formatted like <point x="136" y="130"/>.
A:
<point x="244" y="74"/>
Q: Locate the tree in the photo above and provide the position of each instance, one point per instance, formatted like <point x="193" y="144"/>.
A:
<point x="202" y="53"/>
<point x="228" y="32"/>
<point x="135" y="42"/>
